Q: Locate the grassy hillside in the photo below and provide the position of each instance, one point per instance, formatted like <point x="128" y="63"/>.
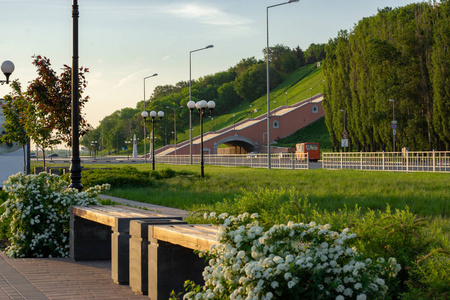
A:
<point x="298" y="86"/>
<point x="316" y="132"/>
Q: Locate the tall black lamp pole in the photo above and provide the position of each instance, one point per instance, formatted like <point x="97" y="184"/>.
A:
<point x="202" y="107"/>
<point x="75" y="167"/>
<point x="153" y="116"/>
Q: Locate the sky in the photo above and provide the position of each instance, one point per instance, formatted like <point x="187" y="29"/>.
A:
<point x="122" y="42"/>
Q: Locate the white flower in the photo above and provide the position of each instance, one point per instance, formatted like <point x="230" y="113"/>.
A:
<point x="340" y="297"/>
<point x="361" y="297"/>
<point x="274" y="284"/>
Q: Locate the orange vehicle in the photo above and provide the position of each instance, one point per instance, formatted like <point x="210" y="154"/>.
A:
<point x="313" y="150"/>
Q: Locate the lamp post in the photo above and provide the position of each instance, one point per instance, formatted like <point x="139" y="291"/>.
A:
<point x="128" y="153"/>
<point x="94" y="145"/>
<point x="344" y="133"/>
<point x="394" y="124"/>
<point x="75" y="167"/>
<point x="117" y="140"/>
<point x="268" y="83"/>
<point x="145" y="115"/>
<point x="175" y="125"/>
<point x="153" y="116"/>
<point x="202" y="107"/>
<point x="190" y="97"/>
<point x="7" y="69"/>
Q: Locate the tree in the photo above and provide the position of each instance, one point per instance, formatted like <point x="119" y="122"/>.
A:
<point x="251" y="84"/>
<point x="300" y="56"/>
<point x="51" y="98"/>
<point x="15" y="112"/>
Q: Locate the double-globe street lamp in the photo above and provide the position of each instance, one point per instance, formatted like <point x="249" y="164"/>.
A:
<point x="190" y="97"/>
<point x="145" y="115"/>
<point x="202" y="107"/>
<point x="268" y="83"/>
<point x="153" y="116"/>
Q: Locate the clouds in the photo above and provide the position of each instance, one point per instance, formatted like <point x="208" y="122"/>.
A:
<point x="205" y="14"/>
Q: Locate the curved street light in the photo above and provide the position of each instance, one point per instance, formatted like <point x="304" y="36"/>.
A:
<point x="268" y="84"/>
<point x="145" y="115"/>
<point x="190" y="96"/>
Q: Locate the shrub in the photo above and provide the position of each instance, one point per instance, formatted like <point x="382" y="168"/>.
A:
<point x="4" y="226"/>
<point x="39" y="207"/>
<point x="293" y="261"/>
<point x="116" y="177"/>
<point x="397" y="233"/>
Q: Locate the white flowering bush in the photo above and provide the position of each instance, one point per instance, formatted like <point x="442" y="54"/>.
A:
<point x="293" y="261"/>
<point x="39" y="206"/>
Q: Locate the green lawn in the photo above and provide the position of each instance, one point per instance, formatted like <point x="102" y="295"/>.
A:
<point x="426" y="194"/>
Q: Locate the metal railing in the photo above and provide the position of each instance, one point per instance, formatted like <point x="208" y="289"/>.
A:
<point x="407" y="161"/>
<point x="278" y="161"/>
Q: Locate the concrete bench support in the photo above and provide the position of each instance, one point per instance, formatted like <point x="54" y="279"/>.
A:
<point x="89" y="227"/>
<point x="171" y="259"/>
<point x="139" y="252"/>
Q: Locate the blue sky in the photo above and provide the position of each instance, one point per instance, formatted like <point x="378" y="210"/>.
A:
<point x="121" y="42"/>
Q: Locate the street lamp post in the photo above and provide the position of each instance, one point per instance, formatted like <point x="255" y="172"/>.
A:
<point x="175" y="125"/>
<point x="268" y="83"/>
<point x="7" y="69"/>
<point x="344" y="133"/>
<point x="75" y="167"/>
<point x="94" y="146"/>
<point x="202" y="107"/>
<point x="128" y="153"/>
<point x="153" y="116"/>
<point x="190" y="97"/>
<point x="145" y="115"/>
<point x="394" y="124"/>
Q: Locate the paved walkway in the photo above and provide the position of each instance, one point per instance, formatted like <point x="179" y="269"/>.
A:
<point x="62" y="278"/>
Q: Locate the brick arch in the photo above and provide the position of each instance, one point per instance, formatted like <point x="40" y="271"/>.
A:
<point x="237" y="140"/>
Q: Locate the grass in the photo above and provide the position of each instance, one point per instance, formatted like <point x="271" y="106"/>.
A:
<point x="298" y="86"/>
<point x="316" y="132"/>
<point x="426" y="194"/>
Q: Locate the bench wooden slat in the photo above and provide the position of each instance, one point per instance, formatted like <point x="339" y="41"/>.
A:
<point x="188" y="236"/>
<point x="93" y="214"/>
<point x="207" y="231"/>
<point x="107" y="215"/>
<point x="126" y="212"/>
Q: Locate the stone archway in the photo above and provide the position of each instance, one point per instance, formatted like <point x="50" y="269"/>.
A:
<point x="237" y="140"/>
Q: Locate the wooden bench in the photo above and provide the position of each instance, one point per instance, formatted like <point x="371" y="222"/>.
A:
<point x="171" y="259"/>
<point x="102" y="232"/>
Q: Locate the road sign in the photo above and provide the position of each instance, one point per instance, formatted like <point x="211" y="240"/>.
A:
<point x="394" y="126"/>
<point x="344" y="143"/>
<point x="394" y="132"/>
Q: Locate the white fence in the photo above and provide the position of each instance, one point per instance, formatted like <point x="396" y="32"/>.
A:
<point x="429" y="161"/>
<point x="278" y="161"/>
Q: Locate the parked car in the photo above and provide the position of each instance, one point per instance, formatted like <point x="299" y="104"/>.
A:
<point x="53" y="155"/>
<point x="32" y="155"/>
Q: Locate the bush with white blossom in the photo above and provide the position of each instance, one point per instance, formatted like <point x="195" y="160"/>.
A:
<point x="292" y="261"/>
<point x="39" y="206"/>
